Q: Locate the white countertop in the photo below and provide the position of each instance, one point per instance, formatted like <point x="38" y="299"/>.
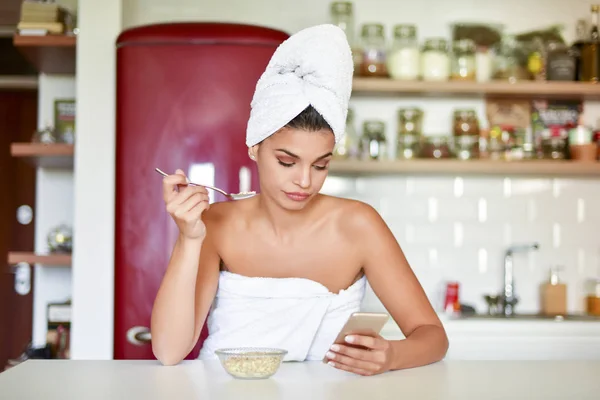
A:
<point x="70" y="380"/>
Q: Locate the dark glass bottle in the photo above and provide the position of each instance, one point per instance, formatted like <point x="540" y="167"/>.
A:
<point x="590" y="54"/>
<point x="581" y="37"/>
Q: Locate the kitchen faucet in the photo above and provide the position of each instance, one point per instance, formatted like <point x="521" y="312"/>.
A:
<point x="509" y="300"/>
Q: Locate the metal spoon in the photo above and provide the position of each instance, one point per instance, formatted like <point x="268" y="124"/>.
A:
<point x="232" y="196"/>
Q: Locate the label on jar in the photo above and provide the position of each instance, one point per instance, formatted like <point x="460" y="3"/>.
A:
<point x="560" y="68"/>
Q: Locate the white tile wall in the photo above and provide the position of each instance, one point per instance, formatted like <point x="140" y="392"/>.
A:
<point x="457" y="228"/>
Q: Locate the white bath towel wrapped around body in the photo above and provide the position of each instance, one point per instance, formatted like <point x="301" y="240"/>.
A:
<point x="296" y="314"/>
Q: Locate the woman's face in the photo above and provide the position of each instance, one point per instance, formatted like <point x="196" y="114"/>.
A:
<point x="292" y="165"/>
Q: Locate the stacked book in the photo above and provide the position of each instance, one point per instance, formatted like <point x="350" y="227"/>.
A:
<point x="41" y="18"/>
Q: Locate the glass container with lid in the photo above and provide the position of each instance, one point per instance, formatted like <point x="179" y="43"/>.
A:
<point x="466" y="147"/>
<point x="463" y="60"/>
<point x="373" y="61"/>
<point x="342" y="15"/>
<point x="410" y="121"/>
<point x="373" y="143"/>
<point x="465" y="122"/>
<point x="403" y="61"/>
<point x="408" y="146"/>
<point x="435" y="62"/>
<point x="436" y="147"/>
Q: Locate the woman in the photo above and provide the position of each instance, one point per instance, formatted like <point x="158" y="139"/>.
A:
<point x="287" y="267"/>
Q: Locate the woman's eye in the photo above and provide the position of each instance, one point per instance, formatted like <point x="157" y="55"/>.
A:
<point x="320" y="167"/>
<point x="285" y="164"/>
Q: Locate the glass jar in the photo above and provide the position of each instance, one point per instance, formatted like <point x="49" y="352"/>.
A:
<point x="510" y="61"/>
<point x="403" y="61"/>
<point x="560" y="63"/>
<point x="593" y="297"/>
<point x="342" y="15"/>
<point x="465" y="122"/>
<point x="436" y="147"/>
<point x="373" y="143"/>
<point x="373" y="61"/>
<point x="408" y="146"/>
<point x="410" y="121"/>
<point x="349" y="146"/>
<point x="466" y="147"/>
<point x="435" y="62"/>
<point x="554" y="148"/>
<point x="463" y="60"/>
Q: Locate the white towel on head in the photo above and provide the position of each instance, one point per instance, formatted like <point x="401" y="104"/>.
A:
<point x="312" y="67"/>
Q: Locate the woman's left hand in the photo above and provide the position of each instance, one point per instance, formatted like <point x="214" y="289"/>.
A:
<point x="374" y="358"/>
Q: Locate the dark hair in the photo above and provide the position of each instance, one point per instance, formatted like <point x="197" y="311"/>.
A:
<point x="309" y="120"/>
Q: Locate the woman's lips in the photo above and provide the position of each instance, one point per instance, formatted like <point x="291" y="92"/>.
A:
<point x="297" y="196"/>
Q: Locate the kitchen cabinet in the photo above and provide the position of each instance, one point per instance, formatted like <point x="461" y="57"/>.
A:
<point x="474" y="339"/>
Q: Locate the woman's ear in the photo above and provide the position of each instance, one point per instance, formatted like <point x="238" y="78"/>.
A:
<point x="252" y="152"/>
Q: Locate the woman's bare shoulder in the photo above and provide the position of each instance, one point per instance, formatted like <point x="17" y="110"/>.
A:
<point x="221" y="213"/>
<point x="354" y="216"/>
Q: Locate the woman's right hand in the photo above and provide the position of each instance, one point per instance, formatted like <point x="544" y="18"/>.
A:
<point x="186" y="203"/>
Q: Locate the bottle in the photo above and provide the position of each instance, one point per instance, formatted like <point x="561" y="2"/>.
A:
<point x="580" y="39"/>
<point x="553" y="295"/>
<point x="590" y="67"/>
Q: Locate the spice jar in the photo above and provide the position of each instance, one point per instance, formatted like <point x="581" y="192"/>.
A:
<point x="403" y="61"/>
<point x="349" y="146"/>
<point x="373" y="61"/>
<point x="592" y="299"/>
<point x="435" y="62"/>
<point x="408" y="146"/>
<point x="465" y="122"/>
<point x="560" y="64"/>
<point x="436" y="147"/>
<point x="463" y="60"/>
<point x="373" y="143"/>
<point x="410" y="121"/>
<point x="342" y="16"/>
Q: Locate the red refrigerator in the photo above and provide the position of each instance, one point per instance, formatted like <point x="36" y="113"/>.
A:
<point x="183" y="101"/>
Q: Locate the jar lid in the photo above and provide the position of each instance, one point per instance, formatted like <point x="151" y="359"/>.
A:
<point x="436" y="43"/>
<point x="464" y="112"/>
<point x="372" y="29"/>
<point x="374" y="128"/>
<point x="341" y="8"/>
<point x="410" y="112"/>
<point x="405" y="31"/>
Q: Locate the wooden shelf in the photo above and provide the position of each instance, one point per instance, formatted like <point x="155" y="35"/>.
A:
<point x="17" y="82"/>
<point x="546" y="168"/>
<point x="50" y="260"/>
<point x="57" y="155"/>
<point x="51" y="54"/>
<point x="526" y="89"/>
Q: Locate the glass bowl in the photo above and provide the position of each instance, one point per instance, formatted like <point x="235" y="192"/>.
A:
<point x="251" y="362"/>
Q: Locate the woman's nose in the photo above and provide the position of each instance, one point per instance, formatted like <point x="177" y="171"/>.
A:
<point x="303" y="179"/>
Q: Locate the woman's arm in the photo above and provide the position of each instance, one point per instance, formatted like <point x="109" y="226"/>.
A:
<point x="189" y="284"/>
<point x="394" y="282"/>
<point x="184" y="299"/>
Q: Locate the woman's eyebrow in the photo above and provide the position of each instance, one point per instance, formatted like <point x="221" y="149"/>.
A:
<point x="289" y="153"/>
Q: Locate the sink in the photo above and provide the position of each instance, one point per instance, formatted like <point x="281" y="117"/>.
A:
<point x="531" y="317"/>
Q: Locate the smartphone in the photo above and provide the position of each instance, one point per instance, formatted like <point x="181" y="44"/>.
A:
<point x="361" y="323"/>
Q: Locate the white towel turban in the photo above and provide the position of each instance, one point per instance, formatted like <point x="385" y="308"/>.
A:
<point x="312" y="67"/>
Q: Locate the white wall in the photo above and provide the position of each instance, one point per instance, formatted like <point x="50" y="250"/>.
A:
<point x="92" y="283"/>
<point x="93" y="256"/>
